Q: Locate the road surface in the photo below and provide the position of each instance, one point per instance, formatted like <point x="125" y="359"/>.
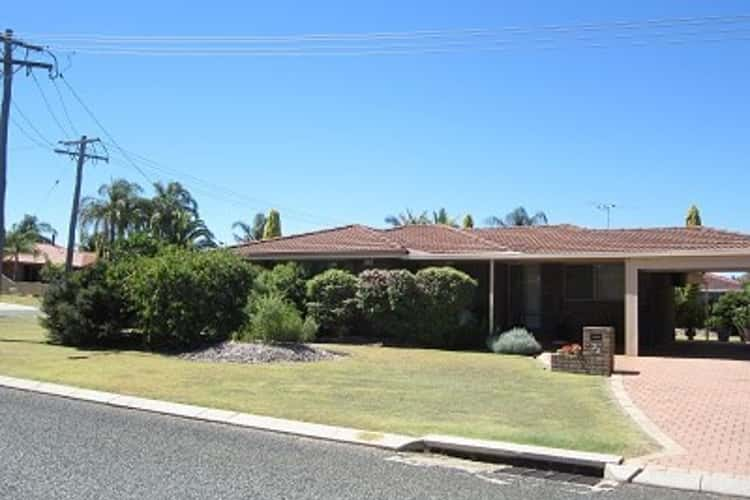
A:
<point x="54" y="448"/>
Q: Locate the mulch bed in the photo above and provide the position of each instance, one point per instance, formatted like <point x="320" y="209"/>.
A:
<point x="255" y="353"/>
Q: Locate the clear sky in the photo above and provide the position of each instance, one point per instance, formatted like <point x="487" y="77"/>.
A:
<point x="327" y="140"/>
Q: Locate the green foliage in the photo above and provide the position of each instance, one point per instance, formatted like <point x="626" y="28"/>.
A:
<point x="518" y="217"/>
<point x="183" y="297"/>
<point x="332" y="301"/>
<point x="287" y="280"/>
<point x="272" y="229"/>
<point x="309" y="330"/>
<point x="693" y="218"/>
<point x="140" y="244"/>
<point x="514" y="341"/>
<point x="468" y="222"/>
<point x="690" y="313"/>
<point x="389" y="301"/>
<point x="724" y="311"/>
<point x="51" y="272"/>
<point x="446" y="295"/>
<point x="741" y="318"/>
<point x="87" y="308"/>
<point x="273" y="319"/>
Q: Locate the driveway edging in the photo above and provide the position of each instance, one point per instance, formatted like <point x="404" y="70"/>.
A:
<point x="668" y="445"/>
<point x="386" y="441"/>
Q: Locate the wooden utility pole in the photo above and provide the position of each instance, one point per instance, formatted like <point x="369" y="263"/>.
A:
<point x="81" y="155"/>
<point x="9" y="65"/>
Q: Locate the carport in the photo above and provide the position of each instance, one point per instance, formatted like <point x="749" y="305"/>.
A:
<point x="649" y="284"/>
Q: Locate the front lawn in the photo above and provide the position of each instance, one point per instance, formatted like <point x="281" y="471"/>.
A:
<point x="408" y="391"/>
<point x="23" y="300"/>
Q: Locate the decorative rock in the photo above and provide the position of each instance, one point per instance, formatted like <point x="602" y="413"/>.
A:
<point x="241" y="352"/>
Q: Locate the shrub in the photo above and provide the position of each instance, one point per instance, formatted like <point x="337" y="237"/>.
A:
<point x="514" y="341"/>
<point x="332" y="301"/>
<point x="446" y="294"/>
<point x="389" y="302"/>
<point x="309" y="330"/>
<point x="723" y="310"/>
<point x="287" y="280"/>
<point x="183" y="297"/>
<point x="87" y="308"/>
<point x="272" y="319"/>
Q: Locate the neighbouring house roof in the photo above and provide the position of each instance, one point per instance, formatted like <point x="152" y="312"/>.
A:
<point x="420" y="241"/>
<point x="713" y="282"/>
<point x="53" y="254"/>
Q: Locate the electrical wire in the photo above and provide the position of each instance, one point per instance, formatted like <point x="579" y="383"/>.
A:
<point x="48" y="106"/>
<point x="42" y="141"/>
<point x="64" y="107"/>
<point x="106" y="132"/>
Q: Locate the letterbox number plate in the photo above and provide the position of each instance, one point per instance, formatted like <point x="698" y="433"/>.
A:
<point x="596" y="337"/>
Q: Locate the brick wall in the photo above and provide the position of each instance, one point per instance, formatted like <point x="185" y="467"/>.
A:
<point x="597" y="356"/>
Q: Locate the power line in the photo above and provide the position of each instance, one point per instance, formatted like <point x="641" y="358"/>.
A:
<point x="30" y="137"/>
<point x="222" y="192"/>
<point x="31" y="125"/>
<point x="48" y="106"/>
<point x="106" y="132"/>
<point x="64" y="107"/>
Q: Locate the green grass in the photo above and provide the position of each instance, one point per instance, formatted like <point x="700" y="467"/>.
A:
<point x="24" y="300"/>
<point x="376" y="389"/>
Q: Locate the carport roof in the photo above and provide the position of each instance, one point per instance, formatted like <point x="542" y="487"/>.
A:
<point x="421" y="241"/>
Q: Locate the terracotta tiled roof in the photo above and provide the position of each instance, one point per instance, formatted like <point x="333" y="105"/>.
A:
<point x="440" y="239"/>
<point x="54" y="255"/>
<point x="573" y="239"/>
<point x="717" y="283"/>
<point x="347" y="240"/>
<point x="357" y="240"/>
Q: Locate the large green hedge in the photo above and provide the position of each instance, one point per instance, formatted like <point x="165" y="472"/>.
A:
<point x="332" y="301"/>
<point x="183" y="298"/>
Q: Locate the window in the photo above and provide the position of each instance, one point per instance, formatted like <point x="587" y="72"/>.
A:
<point x="610" y="282"/>
<point x="601" y="282"/>
<point x="579" y="282"/>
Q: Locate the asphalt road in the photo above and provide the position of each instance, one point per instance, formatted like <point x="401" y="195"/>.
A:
<point x="54" y="448"/>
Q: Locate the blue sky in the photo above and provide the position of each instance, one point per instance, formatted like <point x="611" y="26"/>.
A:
<point x="330" y="140"/>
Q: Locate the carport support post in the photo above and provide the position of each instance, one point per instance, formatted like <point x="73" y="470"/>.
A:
<point x="631" y="308"/>
<point x="492" y="297"/>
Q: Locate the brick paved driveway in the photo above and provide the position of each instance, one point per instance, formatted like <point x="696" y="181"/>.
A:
<point x="701" y="404"/>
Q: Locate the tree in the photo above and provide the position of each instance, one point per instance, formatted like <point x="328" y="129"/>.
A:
<point x="250" y="232"/>
<point x="31" y="223"/>
<point x="189" y="231"/>
<point x="468" y="222"/>
<point x="693" y="218"/>
<point x="272" y="228"/>
<point x="119" y="210"/>
<point x="407" y="218"/>
<point x="18" y="241"/>
<point x="518" y="217"/>
<point x="442" y="217"/>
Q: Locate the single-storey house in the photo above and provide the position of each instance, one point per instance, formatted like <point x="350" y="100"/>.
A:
<point x="713" y="286"/>
<point x="552" y="279"/>
<point x="30" y="264"/>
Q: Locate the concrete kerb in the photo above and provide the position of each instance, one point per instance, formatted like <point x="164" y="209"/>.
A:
<point x="694" y="481"/>
<point x="392" y="442"/>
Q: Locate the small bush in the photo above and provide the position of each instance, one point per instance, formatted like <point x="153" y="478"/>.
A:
<point x="309" y="330"/>
<point x="389" y="301"/>
<point x="87" y="308"/>
<point x="287" y="280"/>
<point x="332" y="301"/>
<point x="184" y="298"/>
<point x="446" y="294"/>
<point x="514" y="341"/>
<point x="273" y="319"/>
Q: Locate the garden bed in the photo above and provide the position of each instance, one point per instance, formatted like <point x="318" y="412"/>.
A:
<point x="254" y="353"/>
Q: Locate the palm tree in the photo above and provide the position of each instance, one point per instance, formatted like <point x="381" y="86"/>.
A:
<point x="250" y="232"/>
<point x="118" y="211"/>
<point x="31" y="223"/>
<point x="167" y="208"/>
<point x="442" y="217"/>
<point x="191" y="232"/>
<point x="18" y="241"/>
<point x="407" y="219"/>
<point x="518" y="217"/>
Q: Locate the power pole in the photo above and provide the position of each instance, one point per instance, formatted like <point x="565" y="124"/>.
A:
<point x="9" y="65"/>
<point x="81" y="155"/>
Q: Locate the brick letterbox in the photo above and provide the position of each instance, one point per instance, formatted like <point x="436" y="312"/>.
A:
<point x="596" y="357"/>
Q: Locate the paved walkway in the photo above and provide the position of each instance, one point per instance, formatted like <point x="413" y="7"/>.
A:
<point x="16" y="309"/>
<point x="701" y="404"/>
